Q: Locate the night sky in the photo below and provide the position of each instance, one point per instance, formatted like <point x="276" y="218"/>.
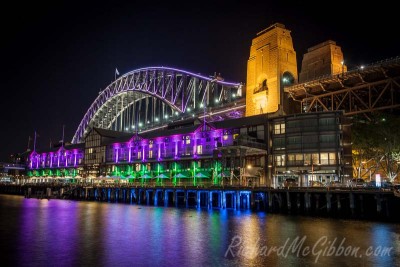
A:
<point x="55" y="58"/>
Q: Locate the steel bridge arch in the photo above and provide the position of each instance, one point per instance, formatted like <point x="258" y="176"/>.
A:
<point x="124" y="104"/>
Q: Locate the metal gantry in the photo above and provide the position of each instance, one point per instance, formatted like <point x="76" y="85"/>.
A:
<point x="364" y="90"/>
<point x="152" y="97"/>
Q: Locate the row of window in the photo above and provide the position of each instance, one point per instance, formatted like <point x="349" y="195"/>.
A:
<point x="138" y="153"/>
<point x="54" y="160"/>
<point x="310" y="124"/>
<point x="280" y="142"/>
<point x="308" y="159"/>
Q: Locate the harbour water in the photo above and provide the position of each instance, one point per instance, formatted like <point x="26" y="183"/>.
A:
<point x="41" y="232"/>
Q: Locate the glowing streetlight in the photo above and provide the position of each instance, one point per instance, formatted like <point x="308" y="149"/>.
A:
<point x="342" y="62"/>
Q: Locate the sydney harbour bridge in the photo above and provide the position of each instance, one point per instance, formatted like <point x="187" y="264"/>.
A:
<point x="151" y="98"/>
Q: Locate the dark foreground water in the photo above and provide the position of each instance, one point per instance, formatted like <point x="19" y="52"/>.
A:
<point x="68" y="233"/>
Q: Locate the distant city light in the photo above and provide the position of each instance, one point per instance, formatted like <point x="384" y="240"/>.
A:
<point x="188" y="109"/>
<point x="156" y="119"/>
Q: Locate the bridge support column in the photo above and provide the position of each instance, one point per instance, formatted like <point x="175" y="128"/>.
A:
<point x="166" y="198"/>
<point x="198" y="199"/>
<point x="298" y="201"/>
<point x="135" y="195"/>
<point x="155" y="198"/>
<point x="307" y="202"/>
<point x="339" y="205"/>
<point x="252" y="202"/>
<point x="210" y="202"/>
<point x="316" y="202"/>
<point x="237" y="202"/>
<point x="361" y="205"/>
<point x="280" y="202"/>
<point x="378" y="204"/>
<point x="48" y="192"/>
<point x="352" y="204"/>
<point x="387" y="207"/>
<point x="328" y="202"/>
<point x="270" y="199"/>
<point x="175" y="198"/>
<point x="288" y="202"/>
<point x="186" y="198"/>
<point x="223" y="195"/>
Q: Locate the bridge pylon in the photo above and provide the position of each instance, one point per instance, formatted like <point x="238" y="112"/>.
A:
<point x="271" y="66"/>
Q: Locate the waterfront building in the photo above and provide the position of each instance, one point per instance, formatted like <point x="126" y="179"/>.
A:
<point x="249" y="151"/>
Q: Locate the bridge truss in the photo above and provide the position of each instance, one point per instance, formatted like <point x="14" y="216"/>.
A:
<point x="150" y="98"/>
<point x="367" y="89"/>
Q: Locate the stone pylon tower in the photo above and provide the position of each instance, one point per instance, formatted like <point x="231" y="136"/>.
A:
<point x="272" y="64"/>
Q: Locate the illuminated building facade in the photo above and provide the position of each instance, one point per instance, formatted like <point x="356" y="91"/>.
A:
<point x="249" y="151"/>
<point x="61" y="162"/>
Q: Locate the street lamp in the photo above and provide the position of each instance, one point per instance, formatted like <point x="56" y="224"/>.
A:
<point x="342" y="62"/>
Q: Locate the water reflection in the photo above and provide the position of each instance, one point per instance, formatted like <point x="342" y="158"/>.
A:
<point x="67" y="233"/>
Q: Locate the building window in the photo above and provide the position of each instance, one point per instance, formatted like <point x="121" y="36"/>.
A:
<point x="315" y="158"/>
<point x="327" y="138"/>
<point x="324" y="158"/>
<point x="326" y="121"/>
<point x="279" y="128"/>
<point x="199" y="149"/>
<point x="280" y="160"/>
